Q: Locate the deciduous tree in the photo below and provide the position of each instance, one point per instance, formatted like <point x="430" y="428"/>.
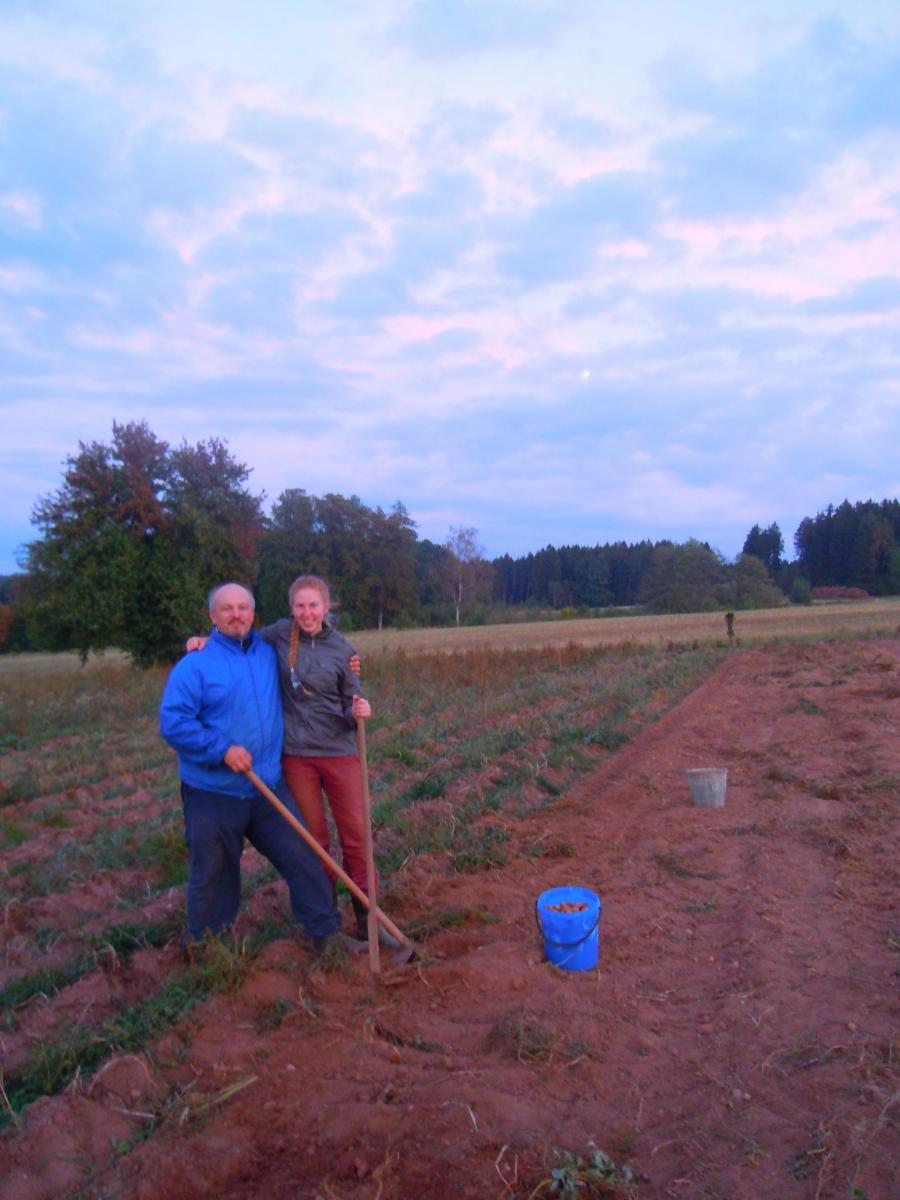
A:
<point x="688" y="578"/>
<point x="469" y="575"/>
<point x="132" y="541"/>
<point x="753" y="587"/>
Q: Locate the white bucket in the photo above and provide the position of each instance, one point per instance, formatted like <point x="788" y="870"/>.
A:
<point x="707" y="786"/>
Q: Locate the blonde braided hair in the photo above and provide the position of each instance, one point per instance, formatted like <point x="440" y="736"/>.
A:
<point x="295" y="645"/>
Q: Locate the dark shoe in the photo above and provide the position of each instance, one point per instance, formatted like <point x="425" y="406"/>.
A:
<point x="398" y="953"/>
<point x="384" y="938"/>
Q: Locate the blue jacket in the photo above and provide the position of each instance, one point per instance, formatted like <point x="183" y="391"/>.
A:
<point x="223" y="697"/>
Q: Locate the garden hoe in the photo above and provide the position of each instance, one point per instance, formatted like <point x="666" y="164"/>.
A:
<point x="407" y="950"/>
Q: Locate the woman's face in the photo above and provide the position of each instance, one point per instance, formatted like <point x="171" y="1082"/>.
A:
<point x="309" y="608"/>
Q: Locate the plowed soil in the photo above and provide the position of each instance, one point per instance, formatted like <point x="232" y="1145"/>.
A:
<point x="738" y="1038"/>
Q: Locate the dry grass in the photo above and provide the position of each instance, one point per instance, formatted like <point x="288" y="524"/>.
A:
<point x="813" y="621"/>
<point x="69" y="663"/>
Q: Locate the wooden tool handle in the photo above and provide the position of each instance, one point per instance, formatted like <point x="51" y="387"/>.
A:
<point x="326" y="858"/>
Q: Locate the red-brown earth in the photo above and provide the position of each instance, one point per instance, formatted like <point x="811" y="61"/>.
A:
<point x="737" y="1040"/>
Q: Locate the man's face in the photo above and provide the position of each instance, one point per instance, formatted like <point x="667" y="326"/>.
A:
<point x="232" y="611"/>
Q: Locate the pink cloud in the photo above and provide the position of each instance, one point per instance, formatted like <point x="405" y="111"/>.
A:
<point x="408" y="328"/>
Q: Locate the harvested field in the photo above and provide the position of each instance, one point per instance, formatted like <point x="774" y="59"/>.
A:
<point x="738" y="1038"/>
<point x="813" y="621"/>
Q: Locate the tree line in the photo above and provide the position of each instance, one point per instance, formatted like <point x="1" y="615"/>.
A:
<point x="658" y="576"/>
<point x="853" y="545"/>
<point x="138" y="530"/>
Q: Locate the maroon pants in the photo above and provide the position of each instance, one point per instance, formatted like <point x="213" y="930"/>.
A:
<point x="341" y="781"/>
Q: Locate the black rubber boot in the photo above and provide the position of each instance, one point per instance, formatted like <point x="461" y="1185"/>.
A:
<point x="362" y="927"/>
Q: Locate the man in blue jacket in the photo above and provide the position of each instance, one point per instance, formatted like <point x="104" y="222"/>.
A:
<point x="221" y="713"/>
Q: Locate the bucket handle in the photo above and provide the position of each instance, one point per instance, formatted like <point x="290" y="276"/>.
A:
<point x="564" y="945"/>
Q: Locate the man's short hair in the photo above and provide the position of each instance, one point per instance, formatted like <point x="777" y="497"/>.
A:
<point x="231" y="583"/>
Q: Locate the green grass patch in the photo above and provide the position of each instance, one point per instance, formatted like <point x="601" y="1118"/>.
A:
<point x="548" y="847"/>
<point x="505" y="782"/>
<point x="780" y="775"/>
<point x="526" y="1041"/>
<point x="570" y="758"/>
<point x="882" y="785"/>
<point x="155" y="845"/>
<point x="219" y="966"/>
<point x="397" y="1039"/>
<point x="273" y="1015"/>
<point x="398" y="752"/>
<point x="480" y="850"/>
<point x="607" y="736"/>
<point x="26" y="785"/>
<point x="677" y="866"/>
<point x="77" y="1049"/>
<point x="54" y="817"/>
<point x="12" y="833"/>
<point x="466" y="844"/>
<point x="39" y="983"/>
<point x="122" y="941"/>
<point x="547" y="785"/>
<point x="808" y="707"/>
<point x="422" y="928"/>
<point x="429" y="787"/>
<point x="703" y="907"/>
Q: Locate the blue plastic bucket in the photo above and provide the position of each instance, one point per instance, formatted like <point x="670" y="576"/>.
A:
<point x="571" y="939"/>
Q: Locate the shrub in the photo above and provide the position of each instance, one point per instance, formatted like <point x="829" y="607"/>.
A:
<point x="801" y="592"/>
<point x="839" y="593"/>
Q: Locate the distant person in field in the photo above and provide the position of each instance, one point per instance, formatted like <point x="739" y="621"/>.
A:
<point x="322" y="700"/>
<point x="221" y="713"/>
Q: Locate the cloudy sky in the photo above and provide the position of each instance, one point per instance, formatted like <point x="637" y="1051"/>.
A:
<point x="566" y="271"/>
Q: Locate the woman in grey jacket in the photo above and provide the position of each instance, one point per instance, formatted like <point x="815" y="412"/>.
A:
<point x="321" y="698"/>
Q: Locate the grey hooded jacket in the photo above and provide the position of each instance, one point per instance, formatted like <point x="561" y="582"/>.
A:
<point x="318" y="702"/>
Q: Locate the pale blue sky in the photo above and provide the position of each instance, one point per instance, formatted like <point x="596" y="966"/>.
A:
<point x="569" y="272"/>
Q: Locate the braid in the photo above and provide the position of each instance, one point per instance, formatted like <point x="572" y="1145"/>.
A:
<point x="295" y="644"/>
